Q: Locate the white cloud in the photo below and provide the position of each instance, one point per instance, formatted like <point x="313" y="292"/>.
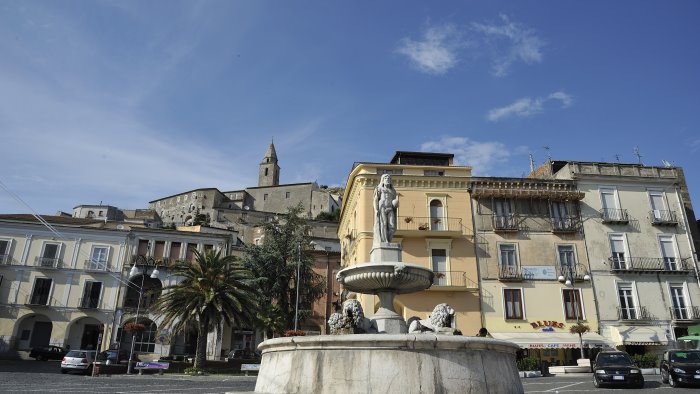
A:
<point x="436" y="53"/>
<point x="527" y="106"/>
<point x="510" y="42"/>
<point x="482" y="156"/>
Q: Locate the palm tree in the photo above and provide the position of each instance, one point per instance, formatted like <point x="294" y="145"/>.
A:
<point x="212" y="289"/>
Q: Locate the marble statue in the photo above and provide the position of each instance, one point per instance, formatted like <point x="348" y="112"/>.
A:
<point x="386" y="202"/>
<point x="440" y="321"/>
<point x="352" y="318"/>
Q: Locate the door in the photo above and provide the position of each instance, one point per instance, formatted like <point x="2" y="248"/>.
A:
<point x="680" y="310"/>
<point x="619" y="256"/>
<point x="503" y="213"/>
<point x="609" y="202"/>
<point x="658" y="207"/>
<point x="41" y="334"/>
<point x="440" y="266"/>
<point x="668" y="253"/>
<point x="436" y="216"/>
<point x="89" y="338"/>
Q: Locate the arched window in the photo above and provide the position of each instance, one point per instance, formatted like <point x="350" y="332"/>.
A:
<point x="144" y="340"/>
<point x="436" y="215"/>
<point x="266" y="171"/>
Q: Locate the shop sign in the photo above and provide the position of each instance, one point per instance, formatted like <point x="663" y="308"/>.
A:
<point x="551" y="345"/>
<point x="539" y="272"/>
<point x="547" y="323"/>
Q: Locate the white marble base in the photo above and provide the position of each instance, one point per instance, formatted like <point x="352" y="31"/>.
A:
<point x="385" y="252"/>
<point x="384" y="363"/>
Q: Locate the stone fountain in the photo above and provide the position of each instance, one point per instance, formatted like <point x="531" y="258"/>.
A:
<point x="383" y="354"/>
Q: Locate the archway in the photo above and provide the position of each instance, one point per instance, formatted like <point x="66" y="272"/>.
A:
<point x="33" y="330"/>
<point x="142" y="332"/>
<point x="83" y="333"/>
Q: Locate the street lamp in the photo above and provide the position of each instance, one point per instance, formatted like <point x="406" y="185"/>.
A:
<point x="296" y="309"/>
<point x="134" y="272"/>
<point x="567" y="277"/>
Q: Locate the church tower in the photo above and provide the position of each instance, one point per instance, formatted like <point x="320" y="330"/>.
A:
<point x="269" y="170"/>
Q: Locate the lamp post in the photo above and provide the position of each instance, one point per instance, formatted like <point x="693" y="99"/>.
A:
<point x="134" y="272"/>
<point x="568" y="278"/>
<point x="296" y="308"/>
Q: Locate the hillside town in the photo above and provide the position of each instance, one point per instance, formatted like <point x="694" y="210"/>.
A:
<point x="608" y="246"/>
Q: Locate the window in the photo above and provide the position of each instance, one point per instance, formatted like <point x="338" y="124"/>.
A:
<point x="618" y="252"/>
<point x="175" y="248"/>
<point x="287" y="194"/>
<point x="513" y="303"/>
<point x="91" y="295"/>
<point x="190" y="252"/>
<point x="41" y="292"/>
<point x="678" y="302"/>
<point x="509" y="259"/>
<point x="144" y="342"/>
<point x="628" y="311"/>
<point x="560" y="216"/>
<point x="503" y="213"/>
<point x="98" y="258"/>
<point x="439" y="261"/>
<point x="433" y="173"/>
<point x="49" y="256"/>
<point x="90" y="214"/>
<point x="382" y="171"/>
<point x="5" y="257"/>
<point x="100" y="213"/>
<point x="265" y="197"/>
<point x="611" y="211"/>
<point x="658" y="205"/>
<point x="159" y="250"/>
<point x="436" y="215"/>
<point x="668" y="252"/>
<point x="266" y="171"/>
<point x="573" y="308"/>
<point x="144" y="245"/>
<point x="567" y="258"/>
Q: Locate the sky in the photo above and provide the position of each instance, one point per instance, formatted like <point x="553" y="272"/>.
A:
<point x="123" y="102"/>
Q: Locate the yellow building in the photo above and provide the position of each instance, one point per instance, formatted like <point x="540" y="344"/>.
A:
<point x="434" y="230"/>
<point x="534" y="270"/>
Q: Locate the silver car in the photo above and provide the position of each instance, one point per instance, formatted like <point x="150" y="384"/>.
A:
<point x="78" y="360"/>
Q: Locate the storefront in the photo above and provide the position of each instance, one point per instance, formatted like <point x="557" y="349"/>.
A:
<point x="557" y="348"/>
<point x="640" y="339"/>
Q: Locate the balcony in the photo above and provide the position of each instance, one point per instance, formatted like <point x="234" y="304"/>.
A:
<point x="634" y="313"/>
<point x="409" y="225"/>
<point x="569" y="224"/>
<point x="94" y="265"/>
<point x="133" y="303"/>
<point x="509" y="273"/>
<point x="150" y="261"/>
<point x="452" y="279"/>
<point x="38" y="300"/>
<point x="89" y="303"/>
<point x="578" y="272"/>
<point x="685" y="313"/>
<point x="505" y="223"/>
<point x="614" y="216"/>
<point x="48" y="262"/>
<point x="649" y="264"/>
<point x="5" y="259"/>
<point x="663" y="218"/>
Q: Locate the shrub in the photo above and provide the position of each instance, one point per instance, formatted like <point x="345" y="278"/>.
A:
<point x="292" y="333"/>
<point x="528" y="364"/>
<point x="647" y="360"/>
<point x="199" y="371"/>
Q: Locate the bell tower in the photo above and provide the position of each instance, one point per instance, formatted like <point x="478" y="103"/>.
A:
<point x="269" y="170"/>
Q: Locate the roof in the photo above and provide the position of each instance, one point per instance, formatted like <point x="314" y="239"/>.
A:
<point x="422" y="158"/>
<point x="26" y="217"/>
<point x="271" y="153"/>
<point x="274" y="186"/>
<point x="181" y="193"/>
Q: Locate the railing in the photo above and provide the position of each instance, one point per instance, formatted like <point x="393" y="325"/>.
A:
<point x="567" y="224"/>
<point x="38" y="300"/>
<point x="414" y="223"/>
<point x="634" y="313"/>
<point x="150" y="260"/>
<point x="663" y="264"/>
<point x="685" y="313"/>
<point x="507" y="222"/>
<point x="663" y="218"/>
<point x="613" y="215"/>
<point x="48" y="262"/>
<point x="510" y="273"/>
<point x="577" y="272"/>
<point x="95" y="265"/>
<point x="89" y="303"/>
<point x="452" y="278"/>
<point x="5" y="259"/>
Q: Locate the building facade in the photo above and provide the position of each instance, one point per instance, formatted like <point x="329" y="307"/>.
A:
<point x="434" y="230"/>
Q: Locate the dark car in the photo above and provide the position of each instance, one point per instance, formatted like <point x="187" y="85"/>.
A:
<point x="616" y="369"/>
<point x="48" y="353"/>
<point x="680" y="367"/>
<point x="115" y="356"/>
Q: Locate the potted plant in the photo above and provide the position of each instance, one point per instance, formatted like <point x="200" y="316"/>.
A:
<point x="423" y="226"/>
<point x="408" y="219"/>
<point x="134" y="327"/>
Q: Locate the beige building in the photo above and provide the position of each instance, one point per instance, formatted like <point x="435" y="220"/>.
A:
<point x="59" y="283"/>
<point x="434" y="230"/>
<point x="641" y="254"/>
<point x="529" y="235"/>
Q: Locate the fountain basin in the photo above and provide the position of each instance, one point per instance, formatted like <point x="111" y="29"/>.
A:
<point x="385" y="363"/>
<point x="396" y="277"/>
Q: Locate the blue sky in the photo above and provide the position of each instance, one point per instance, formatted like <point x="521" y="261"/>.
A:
<point x="127" y="101"/>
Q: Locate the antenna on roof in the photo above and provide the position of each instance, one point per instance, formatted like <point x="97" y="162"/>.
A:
<point x="532" y="163"/>
<point x="617" y="157"/>
<point x="549" y="156"/>
<point x="639" y="155"/>
<point x="666" y="163"/>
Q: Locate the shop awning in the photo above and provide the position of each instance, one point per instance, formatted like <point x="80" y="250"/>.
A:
<point x="639" y="335"/>
<point x="552" y="340"/>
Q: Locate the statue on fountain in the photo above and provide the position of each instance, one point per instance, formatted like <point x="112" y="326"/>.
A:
<point x="386" y="202"/>
<point x="439" y="322"/>
<point x="351" y="320"/>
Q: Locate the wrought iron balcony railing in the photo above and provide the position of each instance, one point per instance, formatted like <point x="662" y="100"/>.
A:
<point x="663" y="218"/>
<point x="89" y="303"/>
<point x="150" y="261"/>
<point x="577" y="272"/>
<point x="133" y="303"/>
<point x="569" y="224"/>
<point x="95" y="265"/>
<point x="613" y="215"/>
<point x="510" y="273"/>
<point x="634" y="313"/>
<point x="48" y="262"/>
<point x="37" y="299"/>
<point x="415" y="223"/>
<point x="685" y="313"/>
<point x="452" y="279"/>
<point x="507" y="222"/>
<point x="654" y="264"/>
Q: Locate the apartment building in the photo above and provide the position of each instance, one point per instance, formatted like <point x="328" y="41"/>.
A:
<point x="434" y="230"/>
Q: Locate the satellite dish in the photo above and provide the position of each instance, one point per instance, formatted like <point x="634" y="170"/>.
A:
<point x="247" y="208"/>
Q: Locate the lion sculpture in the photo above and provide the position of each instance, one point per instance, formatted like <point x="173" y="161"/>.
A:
<point x="440" y="321"/>
<point x="351" y="320"/>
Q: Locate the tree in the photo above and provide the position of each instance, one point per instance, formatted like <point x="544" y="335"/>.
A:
<point x="329" y="216"/>
<point x="580" y="329"/>
<point x="275" y="263"/>
<point x="213" y="289"/>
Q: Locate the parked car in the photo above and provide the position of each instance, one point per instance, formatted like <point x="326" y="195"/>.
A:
<point x="616" y="369"/>
<point x="78" y="360"/>
<point x="47" y="353"/>
<point x="680" y="367"/>
<point x="116" y="356"/>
